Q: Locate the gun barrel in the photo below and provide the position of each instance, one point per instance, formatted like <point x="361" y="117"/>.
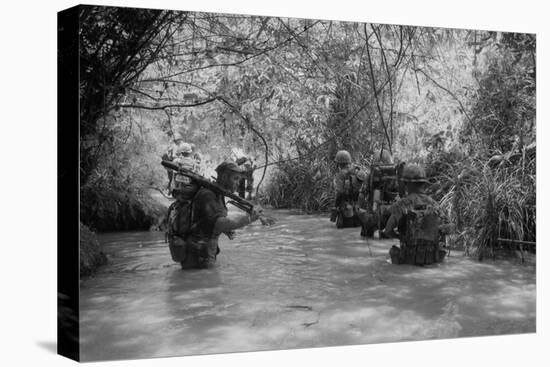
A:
<point x="203" y="181"/>
<point x="236" y="200"/>
<point x="245" y="208"/>
<point x="170" y="165"/>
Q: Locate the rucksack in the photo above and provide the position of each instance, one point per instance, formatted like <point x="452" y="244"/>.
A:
<point x="384" y="178"/>
<point x="182" y="183"/>
<point x="180" y="221"/>
<point x="421" y="235"/>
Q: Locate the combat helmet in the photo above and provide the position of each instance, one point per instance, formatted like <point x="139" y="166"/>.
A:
<point x="342" y="157"/>
<point x="241" y="160"/>
<point x="184" y="148"/>
<point x="383" y="157"/>
<point x="228" y="166"/>
<point x="361" y="175"/>
<point x="414" y="173"/>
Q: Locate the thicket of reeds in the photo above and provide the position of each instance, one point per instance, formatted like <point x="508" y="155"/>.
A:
<point x="488" y="199"/>
<point x="304" y="185"/>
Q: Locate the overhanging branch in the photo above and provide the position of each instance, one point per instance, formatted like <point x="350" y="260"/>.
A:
<point x="165" y="106"/>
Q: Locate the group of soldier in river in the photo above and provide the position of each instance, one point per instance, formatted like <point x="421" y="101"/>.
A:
<point x="391" y="199"/>
<point x="385" y="197"/>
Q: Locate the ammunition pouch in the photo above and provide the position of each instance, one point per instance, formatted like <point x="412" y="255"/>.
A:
<point x="348" y="211"/>
<point x="395" y="255"/>
<point x="420" y="253"/>
<point x="199" y="254"/>
<point x="178" y="248"/>
<point x="198" y="248"/>
<point x="347" y="217"/>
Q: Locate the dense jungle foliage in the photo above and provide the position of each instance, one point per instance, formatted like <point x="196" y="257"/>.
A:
<point x="292" y="92"/>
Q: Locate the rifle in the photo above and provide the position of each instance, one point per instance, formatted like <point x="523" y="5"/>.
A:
<point x="235" y="200"/>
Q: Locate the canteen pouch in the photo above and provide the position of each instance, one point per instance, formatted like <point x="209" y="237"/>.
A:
<point x="178" y="248"/>
<point x="395" y="254"/>
<point x="348" y="211"/>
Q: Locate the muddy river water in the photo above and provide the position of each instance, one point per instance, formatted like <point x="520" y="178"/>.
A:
<point x="298" y="284"/>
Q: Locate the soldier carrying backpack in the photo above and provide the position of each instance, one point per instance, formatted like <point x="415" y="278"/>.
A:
<point x="347" y="184"/>
<point x="416" y="217"/>
<point x="199" y="216"/>
<point x="383" y="189"/>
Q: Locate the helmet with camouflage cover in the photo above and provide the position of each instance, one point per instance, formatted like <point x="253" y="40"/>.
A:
<point x="361" y="175"/>
<point x="177" y="137"/>
<point x="414" y="173"/>
<point x="184" y="148"/>
<point x="343" y="156"/>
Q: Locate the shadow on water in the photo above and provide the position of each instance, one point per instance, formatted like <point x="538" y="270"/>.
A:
<point x="300" y="283"/>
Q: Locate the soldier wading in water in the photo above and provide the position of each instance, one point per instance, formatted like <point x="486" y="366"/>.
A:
<point x="347" y="184"/>
<point x="199" y="216"/>
<point x="416" y="216"/>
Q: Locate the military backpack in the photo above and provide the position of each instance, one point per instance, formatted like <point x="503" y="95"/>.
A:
<point x="420" y="236"/>
<point x="179" y="224"/>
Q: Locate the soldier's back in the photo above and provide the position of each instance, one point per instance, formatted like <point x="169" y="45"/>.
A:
<point x="419" y="229"/>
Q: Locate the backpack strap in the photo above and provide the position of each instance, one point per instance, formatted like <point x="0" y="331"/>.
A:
<point x="350" y="191"/>
<point x="192" y="209"/>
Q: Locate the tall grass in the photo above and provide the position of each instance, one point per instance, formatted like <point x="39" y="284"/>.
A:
<point x="305" y="185"/>
<point x="489" y="199"/>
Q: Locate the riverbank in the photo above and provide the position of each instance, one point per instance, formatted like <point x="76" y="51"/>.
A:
<point x="105" y="210"/>
<point x="92" y="255"/>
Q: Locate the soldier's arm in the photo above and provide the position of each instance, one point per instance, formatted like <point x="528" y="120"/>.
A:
<point x="397" y="212"/>
<point x="390" y="225"/>
<point x="213" y="214"/>
<point x="225" y="224"/>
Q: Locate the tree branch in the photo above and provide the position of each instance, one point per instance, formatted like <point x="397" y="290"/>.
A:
<point x="165" y="106"/>
<point x="389" y="78"/>
<point x="251" y="127"/>
<point x="375" y="91"/>
<point x="268" y="49"/>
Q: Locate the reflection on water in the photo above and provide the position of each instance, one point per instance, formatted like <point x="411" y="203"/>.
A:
<point x="299" y="283"/>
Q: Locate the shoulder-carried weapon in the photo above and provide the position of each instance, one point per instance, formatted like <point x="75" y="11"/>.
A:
<point x="235" y="200"/>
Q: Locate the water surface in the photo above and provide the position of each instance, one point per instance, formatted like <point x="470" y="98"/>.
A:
<point x="298" y="284"/>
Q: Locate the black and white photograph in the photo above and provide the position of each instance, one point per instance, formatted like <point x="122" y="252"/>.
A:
<point x="233" y="184"/>
<point x="253" y="183"/>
